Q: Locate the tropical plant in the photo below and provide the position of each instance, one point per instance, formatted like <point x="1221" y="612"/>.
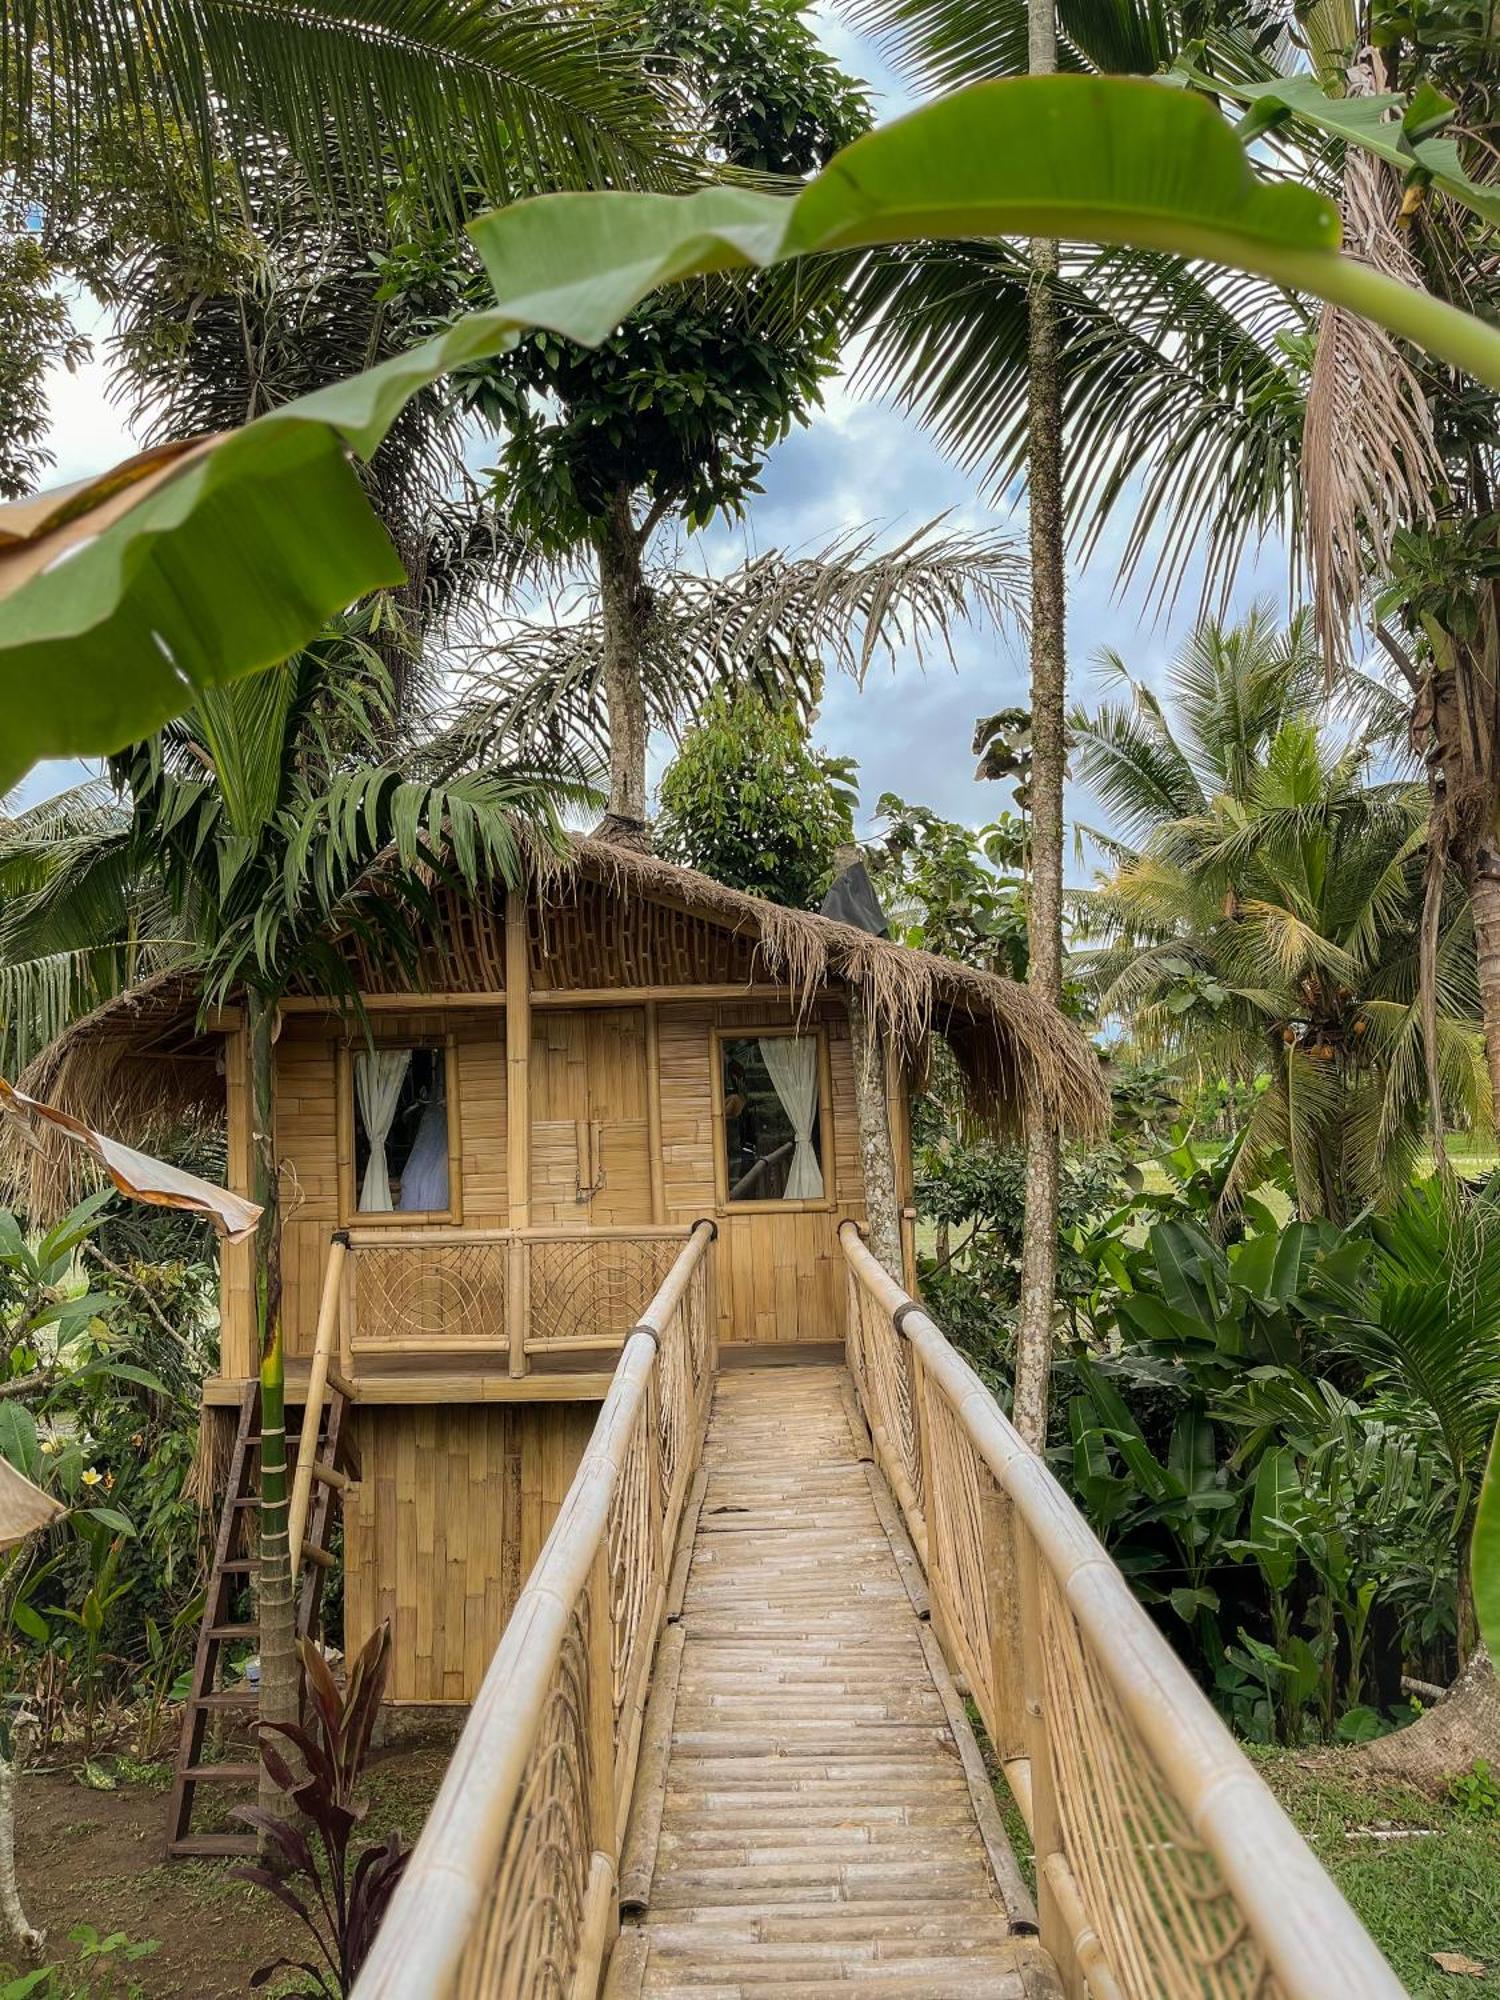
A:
<point x="1113" y="160"/>
<point x="341" y="1908"/>
<point x="439" y="93"/>
<point x="267" y="822"/>
<point x="952" y="889"/>
<point x="1420" y="1318"/>
<point x="672" y="415"/>
<point x="1270" y="919"/>
<point x="773" y="624"/>
<point x="749" y="801"/>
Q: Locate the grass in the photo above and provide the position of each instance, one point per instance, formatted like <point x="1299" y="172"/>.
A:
<point x="1438" y="1890"/>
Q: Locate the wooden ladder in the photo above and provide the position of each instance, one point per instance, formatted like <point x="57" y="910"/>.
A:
<point x="228" y="1607"/>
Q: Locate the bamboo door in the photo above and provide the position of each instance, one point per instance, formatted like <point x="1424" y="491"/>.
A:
<point x="590" y="1148"/>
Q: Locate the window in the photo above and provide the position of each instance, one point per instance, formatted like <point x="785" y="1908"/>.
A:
<point x="773" y="1118"/>
<point x="401" y="1131"/>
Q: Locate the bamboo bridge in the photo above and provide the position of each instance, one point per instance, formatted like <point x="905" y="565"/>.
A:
<point x="722" y="1750"/>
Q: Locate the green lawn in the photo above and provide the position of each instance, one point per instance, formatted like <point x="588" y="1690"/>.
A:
<point x="1436" y="1889"/>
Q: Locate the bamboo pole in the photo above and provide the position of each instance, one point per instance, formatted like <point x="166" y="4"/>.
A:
<point x="440" y="1906"/>
<point x="317" y="1388"/>
<point x="517" y="1119"/>
<point x="1312" y="1939"/>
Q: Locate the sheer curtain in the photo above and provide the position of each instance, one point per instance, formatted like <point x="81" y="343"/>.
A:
<point x="378" y="1077"/>
<point x="424" y="1184"/>
<point x="792" y="1064"/>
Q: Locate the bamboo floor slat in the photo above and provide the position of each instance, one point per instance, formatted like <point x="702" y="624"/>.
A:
<point x="818" y="1835"/>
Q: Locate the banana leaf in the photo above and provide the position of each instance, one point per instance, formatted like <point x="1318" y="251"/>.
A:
<point x="127" y="597"/>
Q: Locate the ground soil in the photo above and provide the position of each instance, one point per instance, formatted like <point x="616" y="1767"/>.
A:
<point x="95" y="1857"/>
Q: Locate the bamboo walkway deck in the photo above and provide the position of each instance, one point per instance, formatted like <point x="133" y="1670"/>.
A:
<point x="818" y="1830"/>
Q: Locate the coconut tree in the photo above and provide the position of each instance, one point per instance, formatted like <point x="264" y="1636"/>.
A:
<point x="276" y="837"/>
<point x="1264" y="914"/>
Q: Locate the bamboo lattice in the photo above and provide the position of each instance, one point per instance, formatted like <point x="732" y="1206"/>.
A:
<point x="1166" y="1870"/>
<point x="509" y="1893"/>
<point x="592" y="1288"/>
<point x="441" y="1294"/>
<point x="535" y="1915"/>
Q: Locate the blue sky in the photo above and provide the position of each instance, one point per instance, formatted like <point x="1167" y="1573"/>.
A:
<point x="858" y="463"/>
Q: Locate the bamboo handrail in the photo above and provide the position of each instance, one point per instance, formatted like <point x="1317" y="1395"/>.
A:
<point x="317" y="1388"/>
<point x="1166" y="1867"/>
<point x="511" y="1888"/>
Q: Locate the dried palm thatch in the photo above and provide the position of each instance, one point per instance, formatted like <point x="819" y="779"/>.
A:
<point x="1369" y="460"/>
<point x="140" y="1062"/>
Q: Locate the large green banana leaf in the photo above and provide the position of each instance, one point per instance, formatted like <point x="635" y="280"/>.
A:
<point x="233" y="559"/>
<point x="1484" y="1554"/>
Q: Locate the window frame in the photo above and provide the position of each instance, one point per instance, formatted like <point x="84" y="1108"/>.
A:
<point x="827" y="1153"/>
<point x="351" y="1215"/>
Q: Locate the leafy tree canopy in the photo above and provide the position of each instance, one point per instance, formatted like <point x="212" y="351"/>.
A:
<point x="750" y="802"/>
<point x="687" y="398"/>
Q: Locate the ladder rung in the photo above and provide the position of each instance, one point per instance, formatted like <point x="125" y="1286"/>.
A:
<point x="246" y="1500"/>
<point x="236" y="1697"/>
<point x="237" y="1566"/>
<point x="210" y="1846"/>
<point x="222" y="1774"/>
<point x="339" y="1381"/>
<point x="331" y="1476"/>
<point x="234" y="1631"/>
<point x="313" y="1554"/>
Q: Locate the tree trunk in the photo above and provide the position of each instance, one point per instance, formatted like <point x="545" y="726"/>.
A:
<point x="279" y="1684"/>
<point x="882" y="1203"/>
<point x="1484" y="901"/>
<point x="1034" y="1329"/>
<point x="1449" y="1739"/>
<point x="625" y="603"/>
<point x="24" y="1934"/>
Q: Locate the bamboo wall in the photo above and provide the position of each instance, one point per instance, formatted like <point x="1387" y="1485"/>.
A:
<point x="451" y="1512"/>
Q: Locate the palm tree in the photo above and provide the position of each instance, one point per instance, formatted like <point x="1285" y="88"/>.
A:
<point x="448" y="96"/>
<point x="1263" y="916"/>
<point x="772" y="623"/>
<point x="264" y="822"/>
<point x="1219" y="412"/>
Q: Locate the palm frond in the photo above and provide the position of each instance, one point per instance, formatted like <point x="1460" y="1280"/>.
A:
<point x="516" y="97"/>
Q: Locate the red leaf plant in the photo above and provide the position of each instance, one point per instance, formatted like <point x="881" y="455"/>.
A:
<point x="342" y="1910"/>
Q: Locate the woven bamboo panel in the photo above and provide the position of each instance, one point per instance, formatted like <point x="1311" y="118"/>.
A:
<point x="586" y="936"/>
<point x="1169" y="1923"/>
<point x="526" y="1944"/>
<point x="445" y="1294"/>
<point x="594" y="1288"/>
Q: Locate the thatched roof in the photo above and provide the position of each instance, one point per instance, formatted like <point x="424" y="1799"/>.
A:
<point x="142" y="1059"/>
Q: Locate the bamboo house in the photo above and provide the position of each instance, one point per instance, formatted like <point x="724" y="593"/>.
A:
<point x="507" y="1153"/>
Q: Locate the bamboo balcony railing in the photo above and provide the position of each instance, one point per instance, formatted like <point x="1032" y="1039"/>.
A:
<point x="512" y="1888"/>
<point x="1165" y="1868"/>
<point x="507" y="1296"/>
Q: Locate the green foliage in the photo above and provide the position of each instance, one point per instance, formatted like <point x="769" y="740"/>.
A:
<point x="748" y="801"/>
<point x="952" y="889"/>
<point x="101" y="1971"/>
<point x="1268" y="922"/>
<point x="101" y="1367"/>
<point x="36" y="333"/>
<point x="1476" y="1792"/>
<point x="684" y="401"/>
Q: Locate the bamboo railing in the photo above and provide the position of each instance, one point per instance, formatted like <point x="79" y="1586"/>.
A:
<point x="1165" y="1868"/>
<point x="511" y="1890"/>
<point x="503" y="1295"/>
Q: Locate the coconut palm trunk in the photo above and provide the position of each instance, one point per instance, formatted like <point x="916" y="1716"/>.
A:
<point x="625" y="604"/>
<point x="279" y="1689"/>
<point x="1048" y="756"/>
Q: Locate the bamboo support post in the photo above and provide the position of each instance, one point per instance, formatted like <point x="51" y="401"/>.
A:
<point x="320" y="1369"/>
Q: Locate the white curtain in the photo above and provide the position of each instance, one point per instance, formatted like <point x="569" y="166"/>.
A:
<point x="378" y="1077"/>
<point x="792" y="1064"/>
<point x="424" y="1184"/>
